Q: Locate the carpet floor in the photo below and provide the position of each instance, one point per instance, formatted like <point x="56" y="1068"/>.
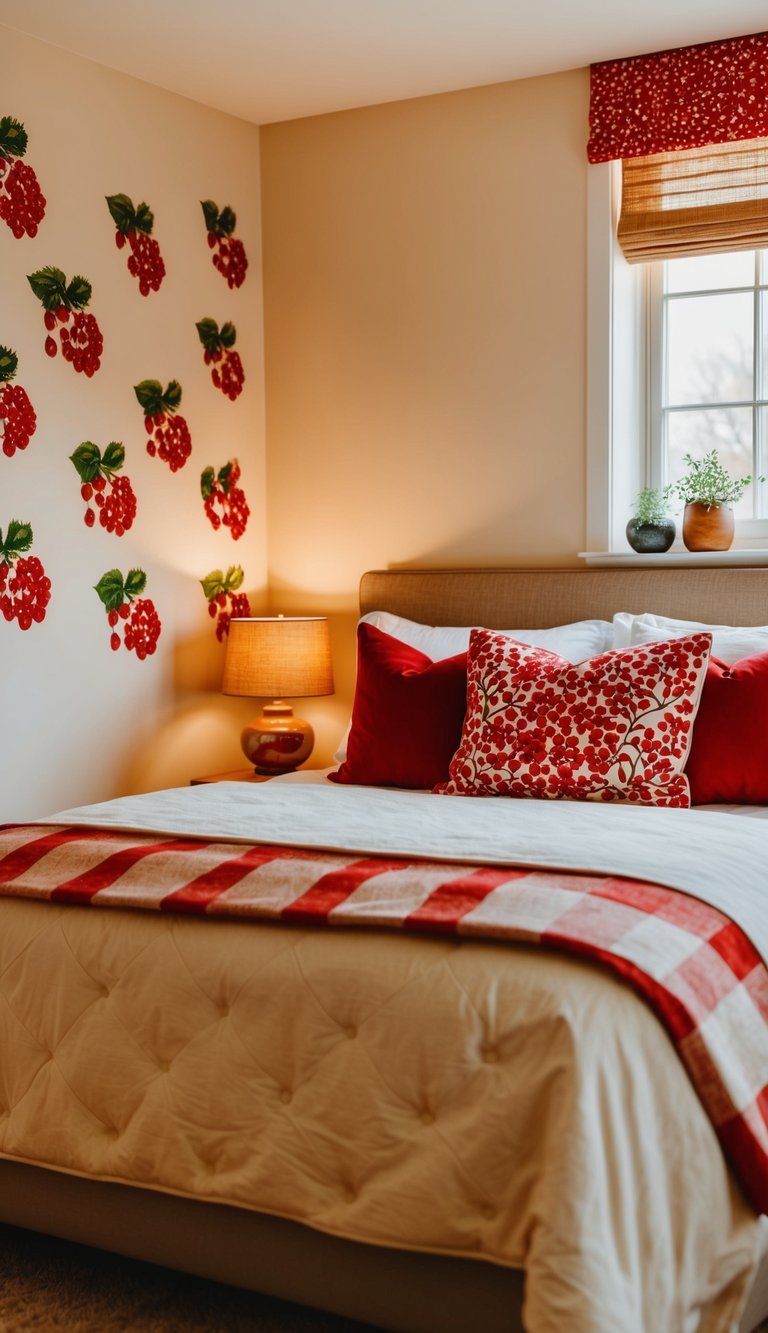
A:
<point x="53" y="1284"/>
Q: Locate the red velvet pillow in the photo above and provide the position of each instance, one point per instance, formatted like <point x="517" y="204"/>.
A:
<point x="728" y="760"/>
<point x="407" y="714"/>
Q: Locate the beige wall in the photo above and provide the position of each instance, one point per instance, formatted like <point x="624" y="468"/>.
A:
<point x="77" y="721"/>
<point x="425" y="316"/>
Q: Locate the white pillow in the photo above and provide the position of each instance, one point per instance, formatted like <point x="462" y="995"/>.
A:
<point x="729" y="642"/>
<point x="575" y="642"/>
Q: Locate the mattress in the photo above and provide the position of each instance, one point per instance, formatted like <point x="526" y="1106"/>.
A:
<point x="450" y="1095"/>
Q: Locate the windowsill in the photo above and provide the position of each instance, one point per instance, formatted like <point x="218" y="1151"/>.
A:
<point x="679" y="556"/>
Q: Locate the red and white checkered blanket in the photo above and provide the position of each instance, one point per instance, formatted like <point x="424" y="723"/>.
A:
<point x="698" y="970"/>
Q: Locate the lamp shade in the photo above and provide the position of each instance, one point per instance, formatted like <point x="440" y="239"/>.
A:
<point x="278" y="657"/>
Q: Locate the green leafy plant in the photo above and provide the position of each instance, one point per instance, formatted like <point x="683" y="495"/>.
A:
<point x="652" y="506"/>
<point x="707" y="482"/>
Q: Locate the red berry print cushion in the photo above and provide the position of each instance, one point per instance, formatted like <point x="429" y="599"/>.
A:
<point x="134" y="229"/>
<point x="25" y="589"/>
<point x="169" y="436"/>
<point x="613" y="728"/>
<point x="64" y="305"/>
<point x="407" y="714"/>
<point x="229" y="255"/>
<point x="103" y="490"/>
<point x="129" y="612"/>
<point x="221" y="488"/>
<point x="18" y="421"/>
<point x="225" y="603"/>
<point x="22" y="203"/>
<point x="219" y="351"/>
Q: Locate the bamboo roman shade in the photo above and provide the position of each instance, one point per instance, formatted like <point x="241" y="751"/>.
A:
<point x="695" y="202"/>
<point x="690" y="127"/>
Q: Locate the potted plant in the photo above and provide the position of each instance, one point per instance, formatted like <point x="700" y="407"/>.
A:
<point x="709" y="493"/>
<point x="651" y="530"/>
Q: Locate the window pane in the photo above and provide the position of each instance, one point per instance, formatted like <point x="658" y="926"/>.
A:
<point x="709" y="349"/>
<point x="762" y="256"/>
<point x="726" y="429"/>
<point x="762" y="368"/>
<point x="704" y="272"/>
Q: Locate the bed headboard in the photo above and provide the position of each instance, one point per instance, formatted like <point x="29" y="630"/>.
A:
<point x="537" y="598"/>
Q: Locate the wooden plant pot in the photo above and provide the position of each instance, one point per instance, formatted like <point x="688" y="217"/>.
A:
<point x="708" y="528"/>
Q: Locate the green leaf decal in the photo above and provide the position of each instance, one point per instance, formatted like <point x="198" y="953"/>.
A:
<point x="18" y="539"/>
<point x="123" y="215"/>
<point x="234" y="578"/>
<point x="78" y="293"/>
<point x="8" y="364"/>
<point x="172" y="396"/>
<point x="224" y="476"/>
<point x="213" y="584"/>
<point x="207" y="482"/>
<point x="111" y="589"/>
<point x="49" y="286"/>
<point x="150" y="396"/>
<point x="87" y="460"/>
<point x="227" y="220"/>
<point x="135" y="582"/>
<point x="13" y="137"/>
<point x="210" y="213"/>
<point x="228" y="334"/>
<point x="145" y="219"/>
<point x="208" y="333"/>
<point x="114" y="457"/>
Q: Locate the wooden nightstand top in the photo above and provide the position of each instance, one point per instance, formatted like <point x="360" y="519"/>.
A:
<point x="235" y="775"/>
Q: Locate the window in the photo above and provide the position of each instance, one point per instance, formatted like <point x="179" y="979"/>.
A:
<point x="677" y="363"/>
<point x="708" y="367"/>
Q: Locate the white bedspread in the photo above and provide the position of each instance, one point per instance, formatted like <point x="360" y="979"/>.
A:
<point x="713" y="856"/>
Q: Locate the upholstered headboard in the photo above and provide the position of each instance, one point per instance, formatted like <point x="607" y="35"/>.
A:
<point x="536" y="598"/>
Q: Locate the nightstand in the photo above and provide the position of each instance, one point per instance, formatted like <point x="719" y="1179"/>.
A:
<point x="236" y="775"/>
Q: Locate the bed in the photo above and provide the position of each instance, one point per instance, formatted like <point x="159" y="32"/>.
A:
<point x="161" y="1044"/>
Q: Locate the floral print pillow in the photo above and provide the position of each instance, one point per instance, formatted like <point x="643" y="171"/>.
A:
<point x="616" y="727"/>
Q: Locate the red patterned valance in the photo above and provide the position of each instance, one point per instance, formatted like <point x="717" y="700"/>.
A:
<point x="696" y="95"/>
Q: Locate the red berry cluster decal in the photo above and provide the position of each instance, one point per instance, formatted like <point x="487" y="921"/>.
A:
<point x="128" y="611"/>
<point x="25" y="591"/>
<point x="22" y="205"/>
<point x="104" y="492"/>
<point x="64" y="305"/>
<point x="218" y="343"/>
<point x="221" y="488"/>
<point x="221" y="588"/>
<point x="169" y="436"/>
<point x="134" y="228"/>
<point x="230" y="258"/>
<point x="17" y="415"/>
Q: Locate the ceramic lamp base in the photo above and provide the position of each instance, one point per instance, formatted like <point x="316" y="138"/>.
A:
<point x="276" y="741"/>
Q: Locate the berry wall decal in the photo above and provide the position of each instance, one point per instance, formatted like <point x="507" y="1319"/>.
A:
<point x="221" y="488"/>
<point x="227" y="374"/>
<point x="112" y="495"/>
<point x="230" y="258"/>
<point x="22" y="204"/>
<point x="168" y="433"/>
<point x="25" y="590"/>
<point x="134" y="226"/>
<point x="17" y="415"/>
<point x="127" y="610"/>
<point x="219" y="588"/>
<point x="64" y="304"/>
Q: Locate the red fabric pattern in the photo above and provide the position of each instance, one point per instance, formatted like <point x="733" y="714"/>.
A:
<point x="697" y="969"/>
<point x="616" y="727"/>
<point x="686" y="98"/>
<point x="406" y="716"/>
<point x="729" y="751"/>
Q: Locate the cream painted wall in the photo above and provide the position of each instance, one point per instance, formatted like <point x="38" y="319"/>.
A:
<point x="77" y="721"/>
<point x="425" y="318"/>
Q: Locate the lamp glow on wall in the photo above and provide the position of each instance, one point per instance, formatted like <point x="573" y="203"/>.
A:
<point x="278" y="658"/>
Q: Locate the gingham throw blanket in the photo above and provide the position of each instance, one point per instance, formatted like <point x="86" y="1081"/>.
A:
<point x="698" y="970"/>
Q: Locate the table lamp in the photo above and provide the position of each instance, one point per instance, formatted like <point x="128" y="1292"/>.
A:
<point x="278" y="657"/>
